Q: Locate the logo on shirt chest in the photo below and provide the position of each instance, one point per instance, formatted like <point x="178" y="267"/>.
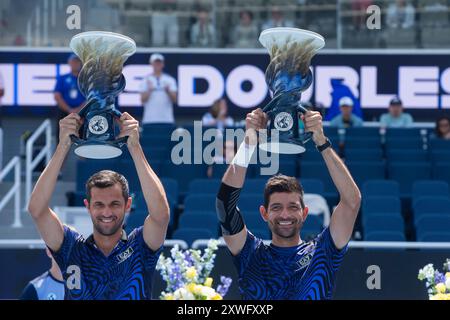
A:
<point x="305" y="261"/>
<point x="121" y="257"/>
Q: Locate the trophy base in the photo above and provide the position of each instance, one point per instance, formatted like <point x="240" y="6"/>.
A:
<point x="282" y="147"/>
<point x="98" y="151"/>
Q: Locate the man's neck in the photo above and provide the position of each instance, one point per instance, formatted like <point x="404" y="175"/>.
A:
<point x="55" y="272"/>
<point x="157" y="74"/>
<point x="286" y="242"/>
<point x="106" y="244"/>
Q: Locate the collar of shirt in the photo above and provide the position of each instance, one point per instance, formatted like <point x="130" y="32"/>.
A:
<point x="123" y="239"/>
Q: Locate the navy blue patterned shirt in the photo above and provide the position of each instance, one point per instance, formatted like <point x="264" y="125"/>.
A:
<point x="303" y="272"/>
<point x="125" y="274"/>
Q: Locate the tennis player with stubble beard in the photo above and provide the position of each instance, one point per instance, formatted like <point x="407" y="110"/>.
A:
<point x="288" y="268"/>
<point x="109" y="264"/>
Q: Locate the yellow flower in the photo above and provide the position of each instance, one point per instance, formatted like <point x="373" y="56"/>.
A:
<point x="190" y="287"/>
<point x="191" y="273"/>
<point x="440" y="296"/>
<point x="168" y="297"/>
<point x="440" y="288"/>
<point x="208" y="282"/>
<point x="447" y="275"/>
<point x="216" y="297"/>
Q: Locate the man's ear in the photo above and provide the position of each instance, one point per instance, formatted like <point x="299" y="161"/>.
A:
<point x="305" y="213"/>
<point x="128" y="205"/>
<point x="86" y="203"/>
<point x="264" y="213"/>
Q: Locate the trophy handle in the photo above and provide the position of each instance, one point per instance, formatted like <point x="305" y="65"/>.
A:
<point x="306" y="135"/>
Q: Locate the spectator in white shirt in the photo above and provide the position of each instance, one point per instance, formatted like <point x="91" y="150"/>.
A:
<point x="158" y="93"/>
<point x="400" y="15"/>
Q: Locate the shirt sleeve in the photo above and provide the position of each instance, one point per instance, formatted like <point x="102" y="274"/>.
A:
<point x="62" y="255"/>
<point x="409" y="120"/>
<point x="150" y="257"/>
<point x="173" y="85"/>
<point x="29" y="293"/>
<point x="59" y="85"/>
<point x="326" y="242"/>
<point x="242" y="259"/>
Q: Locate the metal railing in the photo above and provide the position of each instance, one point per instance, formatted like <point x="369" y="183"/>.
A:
<point x="358" y="244"/>
<point x="45" y="152"/>
<point x="14" y="191"/>
<point x="40" y="244"/>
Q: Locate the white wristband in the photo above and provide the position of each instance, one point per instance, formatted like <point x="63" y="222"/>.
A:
<point x="244" y="155"/>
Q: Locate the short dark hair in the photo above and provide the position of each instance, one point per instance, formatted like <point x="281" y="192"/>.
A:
<point x="282" y="183"/>
<point x="105" y="179"/>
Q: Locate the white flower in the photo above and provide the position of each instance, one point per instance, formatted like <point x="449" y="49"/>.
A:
<point x="427" y="272"/>
<point x="447" y="283"/>
<point x="183" y="294"/>
<point x="208" y="292"/>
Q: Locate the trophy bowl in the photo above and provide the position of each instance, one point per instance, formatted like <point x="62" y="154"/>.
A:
<point x="287" y="76"/>
<point x="103" y="55"/>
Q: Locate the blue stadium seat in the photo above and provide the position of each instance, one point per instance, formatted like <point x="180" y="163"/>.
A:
<point x="312" y="186"/>
<point x="87" y="167"/>
<point x="254" y="186"/>
<point x="434" y="237"/>
<point x="312" y="226"/>
<point x="377" y="204"/>
<point x="200" y="202"/>
<point x="249" y="203"/>
<point x="156" y="140"/>
<point x="209" y="186"/>
<point x="363" y="132"/>
<point x="183" y="173"/>
<point x="161" y="153"/>
<point x="439" y="144"/>
<point x="403" y="133"/>
<point x="430" y="188"/>
<point x="355" y="155"/>
<point x="440" y="156"/>
<point x="330" y="131"/>
<point x="441" y="171"/>
<point x="362" y="143"/>
<point x="128" y="170"/>
<point x="432" y="223"/>
<point x="408" y="172"/>
<point x="383" y="222"/>
<point x="191" y="234"/>
<point x="288" y="168"/>
<point x="263" y="234"/>
<point x="218" y="170"/>
<point x="404" y="143"/>
<point x="385" y="236"/>
<point x="157" y="129"/>
<point x="416" y="155"/>
<point x="364" y="171"/>
<point x="311" y="156"/>
<point x="253" y="220"/>
<point x="199" y="220"/>
<point x="381" y="188"/>
<point x="426" y="205"/>
<point x="135" y="219"/>
<point x="211" y="213"/>
<point x="317" y="170"/>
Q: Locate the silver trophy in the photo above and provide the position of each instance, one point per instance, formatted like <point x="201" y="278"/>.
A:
<point x="287" y="76"/>
<point x="103" y="55"/>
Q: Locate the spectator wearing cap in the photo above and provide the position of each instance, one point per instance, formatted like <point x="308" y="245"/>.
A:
<point x="68" y="96"/>
<point x="346" y="119"/>
<point x="396" y="118"/>
<point x="158" y="93"/>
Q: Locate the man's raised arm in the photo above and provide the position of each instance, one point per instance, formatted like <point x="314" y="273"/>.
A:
<point x="232" y="224"/>
<point x="344" y="216"/>
<point x="156" y="223"/>
<point x="48" y="224"/>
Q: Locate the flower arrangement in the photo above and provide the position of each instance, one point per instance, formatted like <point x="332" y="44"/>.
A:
<point x="187" y="274"/>
<point x="438" y="284"/>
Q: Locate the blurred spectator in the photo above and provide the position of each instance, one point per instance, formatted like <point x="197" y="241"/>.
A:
<point x="19" y="41"/>
<point x="443" y="128"/>
<point x="227" y="155"/>
<point x="277" y="20"/>
<point x="400" y="14"/>
<point x="359" y="15"/>
<point x="48" y="286"/>
<point x="346" y="119"/>
<point x="245" y="34"/>
<point x="203" y="33"/>
<point x="68" y="96"/>
<point x="396" y="118"/>
<point x="158" y="93"/>
<point x="218" y="115"/>
<point x="165" y="24"/>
